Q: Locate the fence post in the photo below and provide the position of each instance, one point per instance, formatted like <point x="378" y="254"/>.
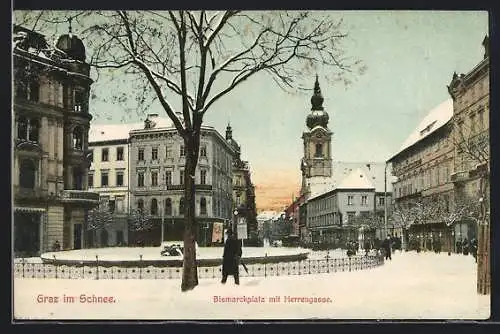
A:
<point x="349" y="263"/>
<point x="140" y="266"/>
<point x="55" y="264"/>
<point x="265" y="266"/>
<point x="97" y="267"/>
<point x="23" y="262"/>
<point x="327" y="262"/>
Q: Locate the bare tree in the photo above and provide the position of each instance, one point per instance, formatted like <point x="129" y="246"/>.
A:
<point x="472" y="160"/>
<point x="188" y="60"/>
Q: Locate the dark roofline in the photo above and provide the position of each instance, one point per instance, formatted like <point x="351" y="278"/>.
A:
<point x="108" y="142"/>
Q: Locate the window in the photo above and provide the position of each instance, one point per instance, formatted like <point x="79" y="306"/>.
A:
<point x="104" y="178"/>
<point x="238" y="200"/>
<point x="319" y="150"/>
<point x="472" y="120"/>
<point x="364" y="200"/>
<point x="119" y="153"/>
<point x="381" y="201"/>
<point x="154" y="207"/>
<point x="350" y="200"/>
<point x="140" y="179"/>
<point x="181" y="207"/>
<point x="77" y="179"/>
<point x="203" y="151"/>
<point x="111" y="206"/>
<point x="480" y="118"/>
<point x="27" y="174"/>
<point x="79" y="100"/>
<point x="460" y="125"/>
<point x="31" y="91"/>
<point x="183" y="152"/>
<point x="168" y="207"/>
<point x="91" y="180"/>
<point x="154" y="153"/>
<point x="168" y="151"/>
<point x="119" y="178"/>
<point x="168" y="177"/>
<point x="27" y="129"/>
<point x="140" y="155"/>
<point x="203" y="206"/>
<point x="181" y="178"/>
<point x="203" y="176"/>
<point x="154" y="178"/>
<point x="78" y="138"/>
<point x="140" y="205"/>
<point x="104" y="154"/>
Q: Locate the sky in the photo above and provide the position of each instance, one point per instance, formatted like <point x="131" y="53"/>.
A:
<point x="410" y="58"/>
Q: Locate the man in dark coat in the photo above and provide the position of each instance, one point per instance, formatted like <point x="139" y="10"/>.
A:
<point x="231" y="258"/>
<point x="386" y="245"/>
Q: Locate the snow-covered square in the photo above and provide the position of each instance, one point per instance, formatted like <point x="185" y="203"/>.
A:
<point x="410" y="286"/>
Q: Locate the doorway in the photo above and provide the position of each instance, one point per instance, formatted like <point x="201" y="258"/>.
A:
<point x="77" y="236"/>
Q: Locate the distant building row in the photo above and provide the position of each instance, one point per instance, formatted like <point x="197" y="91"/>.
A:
<point x="140" y="168"/>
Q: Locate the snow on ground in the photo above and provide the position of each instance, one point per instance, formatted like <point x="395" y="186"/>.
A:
<point x="153" y="253"/>
<point x="411" y="286"/>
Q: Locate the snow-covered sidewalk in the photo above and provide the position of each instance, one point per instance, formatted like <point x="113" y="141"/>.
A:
<point x="411" y="286"/>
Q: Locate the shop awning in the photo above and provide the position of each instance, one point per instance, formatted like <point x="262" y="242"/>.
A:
<point x="28" y="209"/>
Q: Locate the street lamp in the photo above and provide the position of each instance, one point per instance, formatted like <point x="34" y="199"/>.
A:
<point x="385" y="200"/>
<point x="206" y="231"/>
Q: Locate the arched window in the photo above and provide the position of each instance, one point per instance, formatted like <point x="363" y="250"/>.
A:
<point x="168" y="207"/>
<point x="34" y="126"/>
<point x="78" y="138"/>
<point x="181" y="207"/>
<point x="140" y="205"/>
<point x="27" y="174"/>
<point x="319" y="150"/>
<point x="154" y="207"/>
<point x="22" y="128"/>
<point x="203" y="206"/>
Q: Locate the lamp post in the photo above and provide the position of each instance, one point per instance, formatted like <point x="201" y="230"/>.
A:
<point x="206" y="231"/>
<point x="385" y="200"/>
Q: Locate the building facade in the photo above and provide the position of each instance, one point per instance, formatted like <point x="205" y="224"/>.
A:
<point x="423" y="191"/>
<point x="108" y="176"/>
<point x="471" y="111"/>
<point x="50" y="143"/>
<point x="243" y="190"/>
<point x="157" y="159"/>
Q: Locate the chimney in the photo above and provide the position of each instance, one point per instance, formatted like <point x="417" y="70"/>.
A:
<point x="486" y="45"/>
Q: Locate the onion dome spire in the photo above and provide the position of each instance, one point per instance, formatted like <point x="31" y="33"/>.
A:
<point x="317" y="98"/>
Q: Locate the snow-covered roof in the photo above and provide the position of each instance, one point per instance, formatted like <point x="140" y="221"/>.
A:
<point x="108" y="132"/>
<point x="434" y="120"/>
<point x="357" y="179"/>
<point x="373" y="171"/>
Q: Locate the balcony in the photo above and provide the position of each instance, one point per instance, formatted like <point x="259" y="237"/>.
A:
<point x="82" y="197"/>
<point x="459" y="176"/>
<point x="181" y="187"/>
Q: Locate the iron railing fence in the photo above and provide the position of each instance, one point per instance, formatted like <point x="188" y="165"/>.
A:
<point x="25" y="269"/>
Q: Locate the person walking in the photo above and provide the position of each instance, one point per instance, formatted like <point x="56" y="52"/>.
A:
<point x="386" y="245"/>
<point x="231" y="258"/>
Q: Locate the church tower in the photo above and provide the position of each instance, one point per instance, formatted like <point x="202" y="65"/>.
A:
<point x="317" y="159"/>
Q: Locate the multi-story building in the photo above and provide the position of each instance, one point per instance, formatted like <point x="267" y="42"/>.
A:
<point x="422" y="189"/>
<point x="333" y="214"/>
<point x="157" y="160"/>
<point x="50" y="142"/>
<point x="243" y="189"/>
<point x="471" y="110"/>
<point x="108" y="176"/>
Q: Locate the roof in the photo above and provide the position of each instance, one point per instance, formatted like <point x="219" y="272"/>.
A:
<point x="434" y="120"/>
<point x="108" y="132"/>
<point x="342" y="176"/>
<point x="357" y="179"/>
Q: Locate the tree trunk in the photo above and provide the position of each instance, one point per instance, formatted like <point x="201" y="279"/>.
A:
<point x="483" y="240"/>
<point x="483" y="260"/>
<point x="190" y="272"/>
